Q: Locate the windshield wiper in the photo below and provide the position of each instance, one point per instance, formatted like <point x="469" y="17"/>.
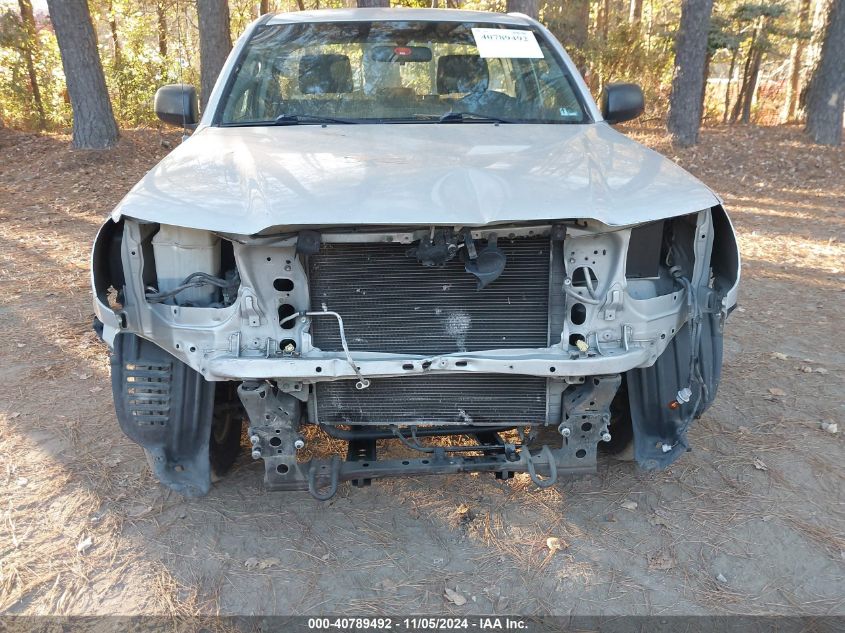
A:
<point x="459" y="117"/>
<point x="296" y="119"/>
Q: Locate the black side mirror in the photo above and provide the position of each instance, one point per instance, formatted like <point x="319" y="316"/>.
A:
<point x="622" y="102"/>
<point x="177" y="104"/>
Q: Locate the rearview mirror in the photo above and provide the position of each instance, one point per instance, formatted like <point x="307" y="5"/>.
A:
<point x="177" y="104"/>
<point x="622" y="102"/>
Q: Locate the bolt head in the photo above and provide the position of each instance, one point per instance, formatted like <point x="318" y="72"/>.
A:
<point x="299" y="444"/>
<point x="565" y="431"/>
<point x="256" y="454"/>
<point x="255" y="440"/>
<point x="605" y="437"/>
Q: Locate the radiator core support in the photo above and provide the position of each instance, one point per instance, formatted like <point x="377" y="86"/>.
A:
<point x="568" y="446"/>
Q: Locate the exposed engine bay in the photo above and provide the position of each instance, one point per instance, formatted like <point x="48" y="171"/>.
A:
<point x="541" y="343"/>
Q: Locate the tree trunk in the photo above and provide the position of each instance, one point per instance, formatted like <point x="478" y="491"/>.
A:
<point x="734" y="56"/>
<point x="826" y="90"/>
<point x="745" y="87"/>
<point x="94" y="126"/>
<point x="812" y="53"/>
<point x="603" y="20"/>
<point x="263" y="7"/>
<point x="635" y="13"/>
<point x="759" y="43"/>
<point x="528" y="7"/>
<point x="690" y="56"/>
<point x="30" y="48"/>
<point x="569" y="20"/>
<point x="114" y="38"/>
<point x="215" y="43"/>
<point x="161" y="18"/>
<point x="363" y="4"/>
<point x="705" y="77"/>
<point x="116" y="73"/>
<point x="790" y="104"/>
<point x="751" y="89"/>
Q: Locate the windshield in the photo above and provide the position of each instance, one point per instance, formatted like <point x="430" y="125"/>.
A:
<point x="397" y="71"/>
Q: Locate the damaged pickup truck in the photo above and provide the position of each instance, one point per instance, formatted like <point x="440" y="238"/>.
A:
<point x="405" y="225"/>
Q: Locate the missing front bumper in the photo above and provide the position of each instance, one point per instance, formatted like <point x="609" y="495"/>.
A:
<point x="275" y="437"/>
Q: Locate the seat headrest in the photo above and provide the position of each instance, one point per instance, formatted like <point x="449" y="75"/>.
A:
<point x="325" y="74"/>
<point x="462" y="73"/>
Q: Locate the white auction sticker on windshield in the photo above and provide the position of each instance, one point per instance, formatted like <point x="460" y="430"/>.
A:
<point x="506" y="43"/>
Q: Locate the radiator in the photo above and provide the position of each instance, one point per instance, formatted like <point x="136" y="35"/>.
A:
<point x="435" y="399"/>
<point x="391" y="303"/>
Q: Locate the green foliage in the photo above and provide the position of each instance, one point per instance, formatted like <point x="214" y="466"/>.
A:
<point x="722" y="35"/>
<point x="17" y="107"/>
<point x="750" y="11"/>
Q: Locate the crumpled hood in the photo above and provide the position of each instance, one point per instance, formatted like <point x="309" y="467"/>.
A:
<point x="245" y="180"/>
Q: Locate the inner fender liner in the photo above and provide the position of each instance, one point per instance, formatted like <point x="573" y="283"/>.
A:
<point x="167" y="408"/>
<point x="652" y="389"/>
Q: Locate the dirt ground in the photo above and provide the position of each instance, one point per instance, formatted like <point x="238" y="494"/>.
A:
<point x="752" y="521"/>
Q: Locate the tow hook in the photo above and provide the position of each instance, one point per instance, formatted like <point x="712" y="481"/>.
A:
<point x="334" y="476"/>
<point x="529" y="462"/>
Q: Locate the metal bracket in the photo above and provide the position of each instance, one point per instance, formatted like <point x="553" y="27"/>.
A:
<point x="613" y="302"/>
<point x="249" y="309"/>
<point x="585" y="420"/>
<point x="274" y="428"/>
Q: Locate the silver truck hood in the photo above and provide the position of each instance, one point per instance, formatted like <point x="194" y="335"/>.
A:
<point x="245" y="180"/>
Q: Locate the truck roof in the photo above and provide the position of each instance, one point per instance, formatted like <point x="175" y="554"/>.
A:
<point x="398" y="13"/>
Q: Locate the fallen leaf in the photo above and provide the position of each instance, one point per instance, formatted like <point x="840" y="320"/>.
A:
<point x="84" y="544"/>
<point x="555" y="544"/>
<point x="830" y="427"/>
<point x="629" y="505"/>
<point x="251" y="562"/>
<point x="759" y="464"/>
<point x="658" y="521"/>
<point x="721" y="578"/>
<point x="138" y="511"/>
<point x="95" y="389"/>
<point x="806" y="369"/>
<point x="661" y="561"/>
<point x="779" y="356"/>
<point x="14" y="415"/>
<point x="269" y="562"/>
<point x="454" y="597"/>
<point x="820" y="370"/>
<point x="386" y="585"/>
<point x="22" y="481"/>
<point x="775" y="391"/>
